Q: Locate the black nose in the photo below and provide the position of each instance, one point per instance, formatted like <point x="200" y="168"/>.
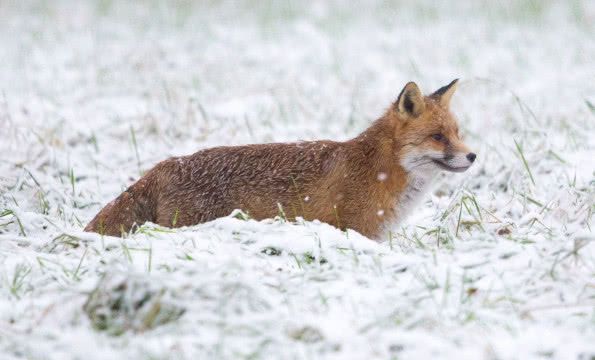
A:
<point x="471" y="157"/>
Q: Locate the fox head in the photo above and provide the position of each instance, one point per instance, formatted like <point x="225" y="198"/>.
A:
<point x="427" y="132"/>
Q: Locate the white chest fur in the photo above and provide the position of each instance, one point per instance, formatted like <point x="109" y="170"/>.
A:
<point x="419" y="182"/>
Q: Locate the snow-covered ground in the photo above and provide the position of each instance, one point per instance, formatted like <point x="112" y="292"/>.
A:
<point x="497" y="263"/>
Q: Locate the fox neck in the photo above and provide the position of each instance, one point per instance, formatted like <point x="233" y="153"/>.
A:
<point x="404" y="182"/>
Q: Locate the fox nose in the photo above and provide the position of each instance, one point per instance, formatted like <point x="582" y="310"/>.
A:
<point x="471" y="157"/>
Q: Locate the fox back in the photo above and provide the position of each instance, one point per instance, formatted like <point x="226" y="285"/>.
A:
<point x="366" y="184"/>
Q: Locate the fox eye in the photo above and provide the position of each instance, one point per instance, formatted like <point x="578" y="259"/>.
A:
<point x="438" y="137"/>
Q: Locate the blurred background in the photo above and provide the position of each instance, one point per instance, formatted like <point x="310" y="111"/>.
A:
<point x="123" y="84"/>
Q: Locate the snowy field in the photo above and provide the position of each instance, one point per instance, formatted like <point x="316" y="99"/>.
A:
<point x="497" y="263"/>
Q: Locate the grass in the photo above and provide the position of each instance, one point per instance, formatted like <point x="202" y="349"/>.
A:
<point x="78" y="267"/>
<point x="19" y="275"/>
<point x="8" y="212"/>
<point x="118" y="305"/>
<point x="525" y="164"/>
<point x="136" y="154"/>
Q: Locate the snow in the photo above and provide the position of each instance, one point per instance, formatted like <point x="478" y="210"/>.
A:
<point x="495" y="263"/>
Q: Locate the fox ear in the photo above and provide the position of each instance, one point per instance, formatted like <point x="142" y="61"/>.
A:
<point x="410" y="101"/>
<point x="444" y="94"/>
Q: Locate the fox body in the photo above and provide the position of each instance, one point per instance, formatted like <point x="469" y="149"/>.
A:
<point x="365" y="184"/>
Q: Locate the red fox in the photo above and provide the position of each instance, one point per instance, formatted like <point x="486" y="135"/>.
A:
<point x="366" y="184"/>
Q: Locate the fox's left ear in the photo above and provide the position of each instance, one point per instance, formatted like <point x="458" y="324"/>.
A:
<point x="444" y="94"/>
<point x="411" y="101"/>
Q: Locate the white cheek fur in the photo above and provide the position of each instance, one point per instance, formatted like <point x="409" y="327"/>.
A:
<point x="417" y="160"/>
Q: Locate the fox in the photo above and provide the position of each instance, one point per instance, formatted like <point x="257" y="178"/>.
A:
<point x="368" y="184"/>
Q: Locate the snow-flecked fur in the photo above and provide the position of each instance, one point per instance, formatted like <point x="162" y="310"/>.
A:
<point x="356" y="184"/>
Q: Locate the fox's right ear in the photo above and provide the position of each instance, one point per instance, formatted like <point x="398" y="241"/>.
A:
<point x="411" y="101"/>
<point x="444" y="94"/>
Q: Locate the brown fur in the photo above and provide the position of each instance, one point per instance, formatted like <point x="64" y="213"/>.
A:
<point x="335" y="182"/>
